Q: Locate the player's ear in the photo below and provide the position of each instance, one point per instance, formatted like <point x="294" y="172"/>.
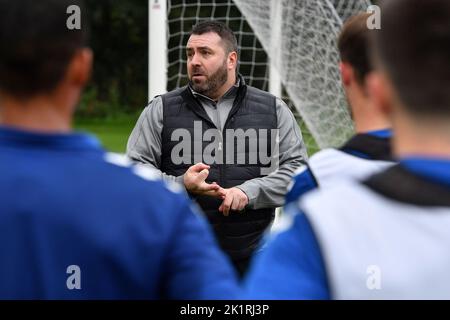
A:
<point x="380" y="92"/>
<point x="346" y="73"/>
<point x="232" y="60"/>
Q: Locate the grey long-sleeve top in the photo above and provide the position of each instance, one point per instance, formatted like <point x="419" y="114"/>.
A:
<point x="144" y="146"/>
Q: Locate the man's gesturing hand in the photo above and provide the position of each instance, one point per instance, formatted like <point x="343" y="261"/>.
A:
<point x="194" y="181"/>
<point x="235" y="199"/>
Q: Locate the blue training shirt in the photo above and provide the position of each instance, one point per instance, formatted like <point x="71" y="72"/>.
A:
<point x="304" y="180"/>
<point x="79" y="223"/>
<point x="291" y="265"/>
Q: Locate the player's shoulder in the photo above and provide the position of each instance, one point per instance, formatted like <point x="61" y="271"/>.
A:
<point x="138" y="176"/>
<point x="337" y="162"/>
<point x="338" y="197"/>
<point x="332" y="156"/>
<point x="301" y="173"/>
<point x="328" y="156"/>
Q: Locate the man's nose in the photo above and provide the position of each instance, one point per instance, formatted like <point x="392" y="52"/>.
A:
<point x="195" y="60"/>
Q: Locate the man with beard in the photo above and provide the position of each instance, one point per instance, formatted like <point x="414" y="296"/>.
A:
<point x="238" y="197"/>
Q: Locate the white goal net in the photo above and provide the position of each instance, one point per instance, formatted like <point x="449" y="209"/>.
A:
<point x="298" y="37"/>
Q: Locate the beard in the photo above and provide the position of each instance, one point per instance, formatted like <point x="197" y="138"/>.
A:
<point x="212" y="82"/>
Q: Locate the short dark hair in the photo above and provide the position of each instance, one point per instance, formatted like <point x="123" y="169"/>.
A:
<point x="221" y="29"/>
<point x="354" y="43"/>
<point x="36" y="45"/>
<point x="413" y="47"/>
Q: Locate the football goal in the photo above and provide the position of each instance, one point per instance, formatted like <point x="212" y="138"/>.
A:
<point x="287" y="47"/>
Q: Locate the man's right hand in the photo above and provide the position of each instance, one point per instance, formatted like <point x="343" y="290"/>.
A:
<point x="194" y="181"/>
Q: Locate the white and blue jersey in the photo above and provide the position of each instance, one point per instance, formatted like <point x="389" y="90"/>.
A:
<point x="361" y="156"/>
<point x="79" y="223"/>
<point x="384" y="238"/>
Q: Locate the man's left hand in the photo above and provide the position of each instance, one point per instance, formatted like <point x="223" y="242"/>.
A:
<point x="235" y="199"/>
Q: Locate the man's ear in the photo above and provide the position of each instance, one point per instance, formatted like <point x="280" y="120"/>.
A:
<point x="80" y="67"/>
<point x="380" y="92"/>
<point x="232" y="60"/>
<point x="346" y="73"/>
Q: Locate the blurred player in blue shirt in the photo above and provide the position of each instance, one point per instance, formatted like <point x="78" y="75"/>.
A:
<point x="77" y="222"/>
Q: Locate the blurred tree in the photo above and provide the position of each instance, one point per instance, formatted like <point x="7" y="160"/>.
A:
<point x="119" y="39"/>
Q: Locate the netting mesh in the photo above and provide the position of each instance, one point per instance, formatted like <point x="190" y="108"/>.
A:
<point x="302" y="48"/>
